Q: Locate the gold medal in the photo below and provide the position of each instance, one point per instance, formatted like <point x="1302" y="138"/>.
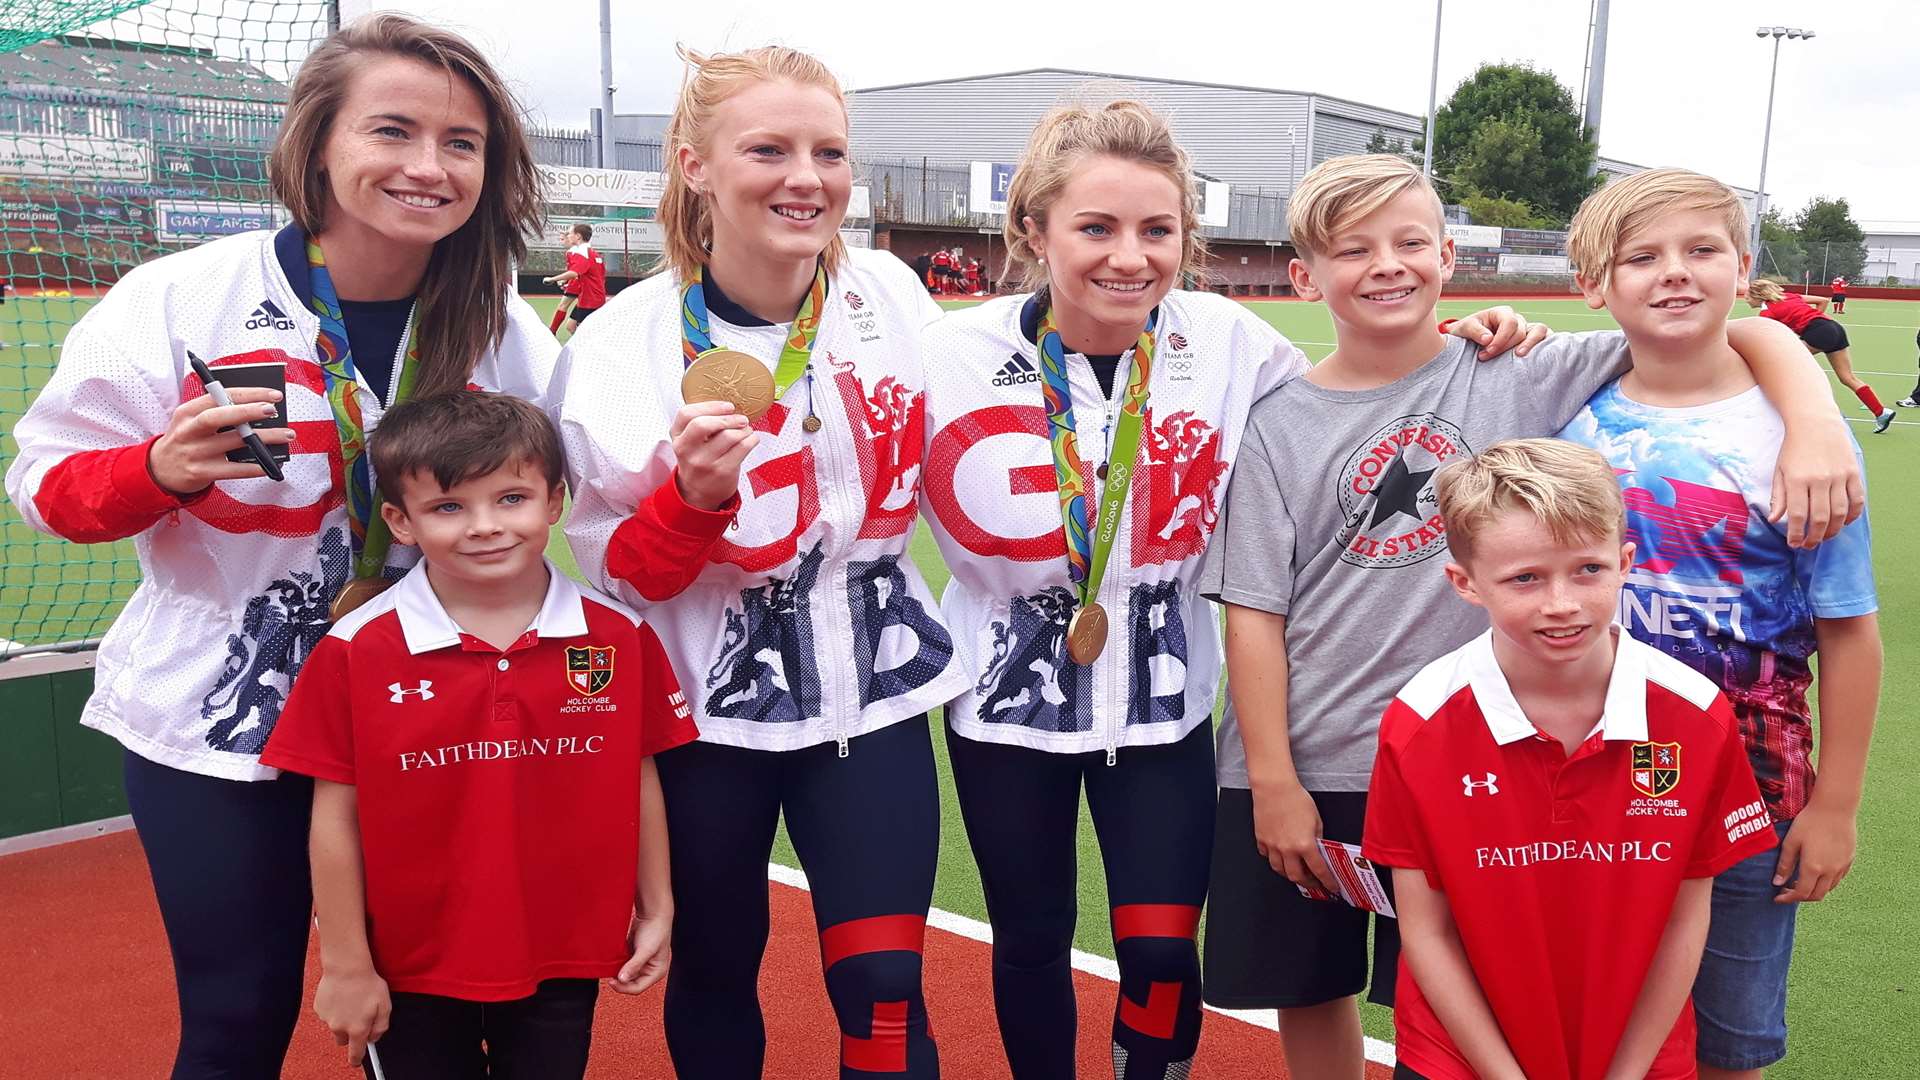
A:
<point x="357" y="592"/>
<point x="1087" y="634"/>
<point x="731" y="376"/>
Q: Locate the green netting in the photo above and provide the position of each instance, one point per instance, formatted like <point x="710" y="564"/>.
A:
<point x="23" y="22"/>
<point x="120" y="140"/>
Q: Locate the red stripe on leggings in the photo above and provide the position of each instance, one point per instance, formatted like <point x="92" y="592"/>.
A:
<point x="885" y="1050"/>
<point x="1155" y="920"/>
<point x="882" y="933"/>
<point x="1157" y="1017"/>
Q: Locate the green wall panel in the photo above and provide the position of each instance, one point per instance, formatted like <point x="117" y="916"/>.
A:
<point x="90" y="787"/>
<point x="29" y="768"/>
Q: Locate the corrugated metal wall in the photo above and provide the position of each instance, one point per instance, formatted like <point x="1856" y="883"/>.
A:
<point x="1234" y="134"/>
<point x="1345" y="127"/>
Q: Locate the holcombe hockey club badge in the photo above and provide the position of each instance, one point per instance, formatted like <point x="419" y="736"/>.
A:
<point x="1656" y="768"/>
<point x="590" y="668"/>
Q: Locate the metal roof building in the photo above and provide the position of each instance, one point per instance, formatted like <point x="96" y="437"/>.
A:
<point x="1257" y="139"/>
<point x="1247" y="136"/>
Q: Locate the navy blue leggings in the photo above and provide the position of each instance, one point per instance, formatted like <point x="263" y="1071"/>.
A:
<point x="1153" y="813"/>
<point x="867" y="830"/>
<point x="229" y="866"/>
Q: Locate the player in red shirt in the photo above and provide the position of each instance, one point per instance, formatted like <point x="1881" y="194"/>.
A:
<point x="489" y="838"/>
<point x="1839" y="295"/>
<point x="584" y="281"/>
<point x="973" y="277"/>
<point x="942" y="272"/>
<point x="1802" y="315"/>
<point x="1555" y="798"/>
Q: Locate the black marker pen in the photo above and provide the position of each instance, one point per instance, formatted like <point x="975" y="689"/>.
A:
<point x="219" y="395"/>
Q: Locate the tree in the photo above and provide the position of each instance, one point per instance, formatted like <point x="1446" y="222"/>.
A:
<point x="1511" y="132"/>
<point x="1781" y="254"/>
<point x="1505" y="213"/>
<point x="1380" y="144"/>
<point x="1836" y="245"/>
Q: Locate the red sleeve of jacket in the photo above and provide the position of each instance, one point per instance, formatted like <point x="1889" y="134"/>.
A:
<point x="662" y="547"/>
<point x="101" y="495"/>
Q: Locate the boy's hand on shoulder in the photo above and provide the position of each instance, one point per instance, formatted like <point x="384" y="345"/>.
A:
<point x="355" y="1006"/>
<point x="1498" y="329"/>
<point x="710" y="441"/>
<point x="651" y="938"/>
<point x="1819" y="849"/>
<point x="1287" y="831"/>
<point x="1817" y="485"/>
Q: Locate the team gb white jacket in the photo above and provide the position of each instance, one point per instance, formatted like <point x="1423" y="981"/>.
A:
<point x="235" y="583"/>
<point x="808" y="623"/>
<point x="993" y="500"/>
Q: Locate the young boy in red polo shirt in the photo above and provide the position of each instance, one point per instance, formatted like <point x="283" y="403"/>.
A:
<point x="583" y="282"/>
<point x="1555" y="798"/>
<point x="488" y="835"/>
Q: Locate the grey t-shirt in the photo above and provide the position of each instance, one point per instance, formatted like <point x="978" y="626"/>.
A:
<point x="1331" y="520"/>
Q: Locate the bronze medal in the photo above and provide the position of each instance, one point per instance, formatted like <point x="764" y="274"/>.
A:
<point x="731" y="376"/>
<point x="357" y="592"/>
<point x="1087" y="634"/>
<point x="811" y="423"/>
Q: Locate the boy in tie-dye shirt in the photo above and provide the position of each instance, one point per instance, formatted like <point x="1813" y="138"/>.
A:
<point x="1715" y="585"/>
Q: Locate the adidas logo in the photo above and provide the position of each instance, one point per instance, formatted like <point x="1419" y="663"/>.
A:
<point x="267" y="315"/>
<point x="1016" y="371"/>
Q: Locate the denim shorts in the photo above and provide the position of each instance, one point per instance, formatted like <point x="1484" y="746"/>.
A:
<point x="1740" y="995"/>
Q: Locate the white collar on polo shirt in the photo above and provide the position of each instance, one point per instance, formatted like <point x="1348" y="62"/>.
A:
<point x="1624" y="716"/>
<point x="427" y="625"/>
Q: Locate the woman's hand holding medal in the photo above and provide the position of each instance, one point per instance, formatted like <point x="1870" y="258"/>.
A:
<point x="710" y="441"/>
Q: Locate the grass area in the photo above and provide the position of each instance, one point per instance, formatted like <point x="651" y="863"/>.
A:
<point x="1855" y="999"/>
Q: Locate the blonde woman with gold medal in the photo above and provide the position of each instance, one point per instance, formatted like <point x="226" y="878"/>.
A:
<point x="743" y="436"/>
<point x="404" y="164"/>
<point x="1079" y="442"/>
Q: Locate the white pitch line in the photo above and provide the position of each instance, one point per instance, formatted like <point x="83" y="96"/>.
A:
<point x="1098" y="966"/>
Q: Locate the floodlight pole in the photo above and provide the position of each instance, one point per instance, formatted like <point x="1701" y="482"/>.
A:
<point x="1766" y="138"/>
<point x="1433" y="93"/>
<point x="607" y="160"/>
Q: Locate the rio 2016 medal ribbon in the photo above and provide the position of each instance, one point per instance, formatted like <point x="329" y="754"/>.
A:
<point x="715" y="374"/>
<point x="1087" y="553"/>
<point x="370" y="536"/>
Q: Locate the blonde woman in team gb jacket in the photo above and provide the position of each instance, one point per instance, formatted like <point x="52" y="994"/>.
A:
<point x="1089" y="656"/>
<point x="743" y="436"/>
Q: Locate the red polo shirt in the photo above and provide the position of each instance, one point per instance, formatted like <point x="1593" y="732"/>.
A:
<point x="499" y="792"/>
<point x="1560" y="871"/>
<point x="591" y="285"/>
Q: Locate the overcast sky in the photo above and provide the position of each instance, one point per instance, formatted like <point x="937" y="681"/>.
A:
<point x="1686" y="80"/>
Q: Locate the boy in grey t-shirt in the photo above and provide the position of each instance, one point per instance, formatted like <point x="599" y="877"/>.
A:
<point x="1324" y="558"/>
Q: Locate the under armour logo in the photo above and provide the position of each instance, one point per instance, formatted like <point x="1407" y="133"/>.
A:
<point x="1468" y="783"/>
<point x="400" y="693"/>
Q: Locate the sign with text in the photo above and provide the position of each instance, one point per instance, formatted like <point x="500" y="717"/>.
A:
<point x="1534" y="264"/>
<point x="1474" y="236"/>
<point x="195" y="220"/>
<point x="987" y="187"/>
<point x="74" y="157"/>
<point x="601" y="187"/>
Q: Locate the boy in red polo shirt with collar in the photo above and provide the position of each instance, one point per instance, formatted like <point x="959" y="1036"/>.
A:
<point x="1555" y="798"/>
<point x="488" y="835"/>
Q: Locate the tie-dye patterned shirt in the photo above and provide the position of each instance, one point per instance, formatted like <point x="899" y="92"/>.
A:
<point x="1714" y="584"/>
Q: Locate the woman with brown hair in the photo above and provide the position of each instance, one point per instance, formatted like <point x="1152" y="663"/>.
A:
<point x="743" y="443"/>
<point x="411" y="185"/>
